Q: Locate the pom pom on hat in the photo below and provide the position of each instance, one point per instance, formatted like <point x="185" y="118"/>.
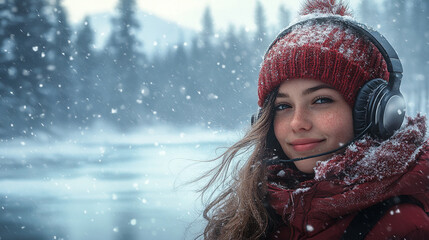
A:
<point x="329" y="52"/>
<point x="325" y="7"/>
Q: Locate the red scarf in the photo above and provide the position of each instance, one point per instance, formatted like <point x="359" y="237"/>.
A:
<point x="367" y="172"/>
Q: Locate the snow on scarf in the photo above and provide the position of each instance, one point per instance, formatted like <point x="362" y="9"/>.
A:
<point x="367" y="172"/>
<point x="369" y="160"/>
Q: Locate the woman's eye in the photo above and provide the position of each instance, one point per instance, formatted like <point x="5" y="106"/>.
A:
<point x="322" y="100"/>
<point x="280" y="107"/>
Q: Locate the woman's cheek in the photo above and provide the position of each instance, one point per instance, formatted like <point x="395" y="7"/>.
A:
<point x="336" y="119"/>
<point x="329" y="119"/>
<point x="338" y="124"/>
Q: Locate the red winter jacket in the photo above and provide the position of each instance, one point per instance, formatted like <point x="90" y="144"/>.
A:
<point x="367" y="173"/>
<point x="404" y="221"/>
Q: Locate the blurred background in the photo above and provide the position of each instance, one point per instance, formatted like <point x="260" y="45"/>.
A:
<point x="105" y="105"/>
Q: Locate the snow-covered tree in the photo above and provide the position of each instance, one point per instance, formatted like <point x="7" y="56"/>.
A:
<point x="61" y="58"/>
<point x="207" y="32"/>
<point x="84" y="63"/>
<point x="417" y="50"/>
<point x="124" y="67"/>
<point x="28" y="70"/>
<point x="261" y="26"/>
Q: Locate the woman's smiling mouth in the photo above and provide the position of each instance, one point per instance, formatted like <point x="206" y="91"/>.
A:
<point x="303" y="145"/>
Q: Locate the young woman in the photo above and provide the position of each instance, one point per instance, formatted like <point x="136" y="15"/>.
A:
<point x="311" y="170"/>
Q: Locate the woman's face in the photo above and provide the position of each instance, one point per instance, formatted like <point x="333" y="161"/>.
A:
<point x="311" y="118"/>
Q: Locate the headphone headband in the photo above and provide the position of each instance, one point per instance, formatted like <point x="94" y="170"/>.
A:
<point x="389" y="54"/>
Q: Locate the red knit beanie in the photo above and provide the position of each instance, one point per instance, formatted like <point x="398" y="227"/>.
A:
<point x="329" y="52"/>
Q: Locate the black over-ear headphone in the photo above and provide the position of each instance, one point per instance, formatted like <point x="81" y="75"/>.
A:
<point x="380" y="106"/>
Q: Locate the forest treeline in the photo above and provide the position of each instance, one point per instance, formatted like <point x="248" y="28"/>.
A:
<point x="52" y="77"/>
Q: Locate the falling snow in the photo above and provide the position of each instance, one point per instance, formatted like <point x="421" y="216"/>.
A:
<point x="99" y="120"/>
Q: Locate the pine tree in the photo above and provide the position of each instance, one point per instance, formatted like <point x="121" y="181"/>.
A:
<point x="261" y="28"/>
<point x="235" y="92"/>
<point x="126" y="65"/>
<point x="7" y="98"/>
<point x="207" y="65"/>
<point x="396" y="26"/>
<point x="84" y="64"/>
<point x="208" y="29"/>
<point x="28" y="78"/>
<point x="5" y="21"/>
<point x="61" y="58"/>
<point x="418" y="52"/>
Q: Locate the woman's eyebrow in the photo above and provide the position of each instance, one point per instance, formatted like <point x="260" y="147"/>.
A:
<point x="313" y="89"/>
<point x="282" y="95"/>
<point x="306" y="91"/>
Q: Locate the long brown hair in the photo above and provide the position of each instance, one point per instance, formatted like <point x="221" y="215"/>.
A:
<point x="238" y="211"/>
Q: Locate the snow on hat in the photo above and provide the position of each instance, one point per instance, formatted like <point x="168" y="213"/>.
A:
<point x="327" y="51"/>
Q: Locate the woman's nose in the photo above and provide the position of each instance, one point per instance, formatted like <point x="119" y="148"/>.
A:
<point x="301" y="120"/>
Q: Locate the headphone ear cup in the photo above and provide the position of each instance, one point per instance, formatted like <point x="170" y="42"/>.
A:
<point x="390" y="113"/>
<point x="365" y="106"/>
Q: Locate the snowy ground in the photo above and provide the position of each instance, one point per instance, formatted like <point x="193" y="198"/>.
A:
<point x="105" y="185"/>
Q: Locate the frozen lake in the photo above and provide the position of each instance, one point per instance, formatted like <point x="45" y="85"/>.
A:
<point x="105" y="185"/>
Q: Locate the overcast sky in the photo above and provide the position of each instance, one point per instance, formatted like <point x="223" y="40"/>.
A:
<point x="189" y="12"/>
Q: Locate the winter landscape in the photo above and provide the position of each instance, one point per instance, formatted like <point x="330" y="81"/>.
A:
<point x="102" y="123"/>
